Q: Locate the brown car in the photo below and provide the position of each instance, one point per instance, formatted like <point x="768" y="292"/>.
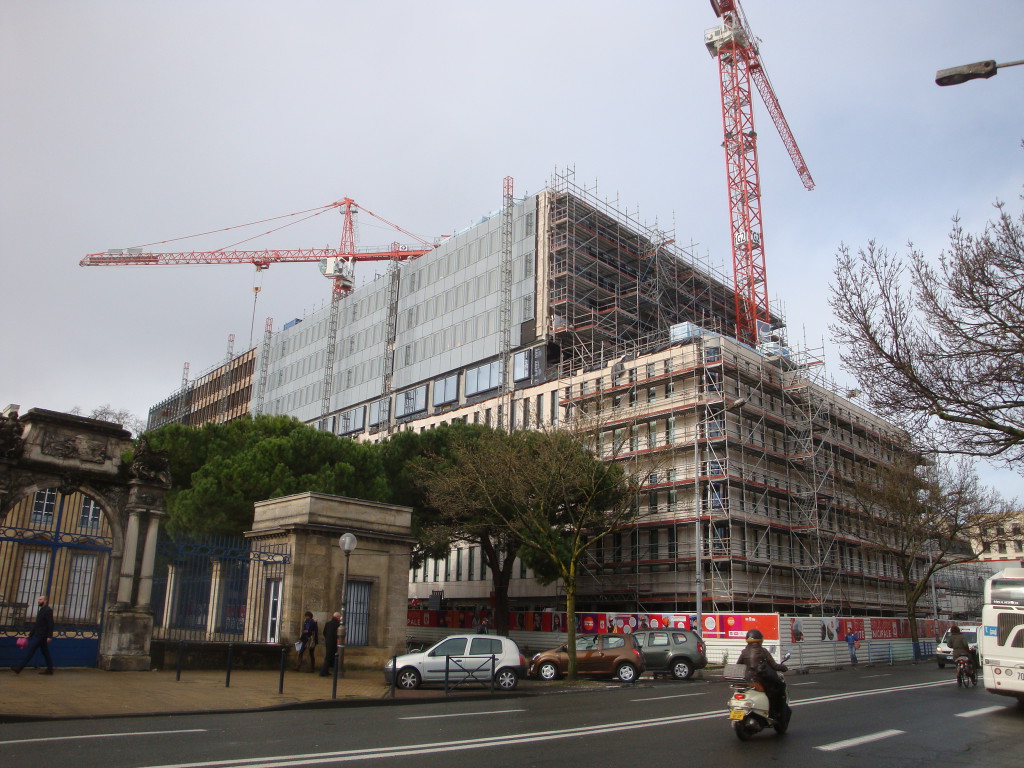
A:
<point x="602" y="654"/>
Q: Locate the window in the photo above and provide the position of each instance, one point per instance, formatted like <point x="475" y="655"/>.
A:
<point x="446" y="390"/>
<point x="483" y="377"/>
<point x="411" y="401"/>
<point x="42" y="507"/>
<point x="78" y="604"/>
<point x="90" y="514"/>
<point x="522" y="365"/>
<point x="32" y="583"/>
<point x="378" y="412"/>
<point x="353" y="420"/>
<point x="485" y="646"/>
<point x="453" y="646"/>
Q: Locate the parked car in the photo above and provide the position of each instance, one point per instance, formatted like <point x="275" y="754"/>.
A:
<point x="943" y="653"/>
<point x="601" y="654"/>
<point x="677" y="652"/>
<point x="463" y="658"/>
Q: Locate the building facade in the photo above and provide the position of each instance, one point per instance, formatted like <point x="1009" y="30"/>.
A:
<point x="561" y="309"/>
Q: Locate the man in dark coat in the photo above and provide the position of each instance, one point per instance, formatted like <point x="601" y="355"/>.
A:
<point x="330" y="642"/>
<point x="40" y="637"/>
<point x="762" y="668"/>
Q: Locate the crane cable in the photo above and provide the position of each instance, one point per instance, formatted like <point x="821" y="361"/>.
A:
<point x="312" y="211"/>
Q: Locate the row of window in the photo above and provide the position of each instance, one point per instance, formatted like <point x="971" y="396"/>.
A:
<point x="44" y="504"/>
<point x="443" y="391"/>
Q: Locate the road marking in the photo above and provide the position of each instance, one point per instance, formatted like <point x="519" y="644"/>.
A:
<point x="673" y="696"/>
<point x="985" y="711"/>
<point x="463" y="714"/>
<point x="837" y="745"/>
<point x="809" y="682"/>
<point x="376" y="753"/>
<point x="883" y="674"/>
<point x="102" y="736"/>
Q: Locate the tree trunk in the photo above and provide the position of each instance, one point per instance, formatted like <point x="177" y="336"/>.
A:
<point x="500" y="579"/>
<point x="570" y="621"/>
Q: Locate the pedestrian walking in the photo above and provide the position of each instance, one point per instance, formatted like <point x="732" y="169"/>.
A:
<point x="39" y="638"/>
<point x="331" y="627"/>
<point x="309" y="636"/>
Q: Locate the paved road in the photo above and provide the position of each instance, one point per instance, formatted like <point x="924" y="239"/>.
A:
<point x="901" y="716"/>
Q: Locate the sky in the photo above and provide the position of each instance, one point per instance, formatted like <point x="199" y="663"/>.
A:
<point x="130" y="122"/>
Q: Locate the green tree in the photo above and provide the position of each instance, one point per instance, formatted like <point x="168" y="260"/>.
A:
<point x="414" y="461"/>
<point x="550" y="491"/>
<point x="219" y="471"/>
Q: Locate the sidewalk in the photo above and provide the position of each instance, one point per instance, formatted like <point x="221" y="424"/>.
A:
<point x="84" y="692"/>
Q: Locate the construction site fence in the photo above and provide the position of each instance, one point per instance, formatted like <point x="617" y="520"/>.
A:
<point x="813" y="642"/>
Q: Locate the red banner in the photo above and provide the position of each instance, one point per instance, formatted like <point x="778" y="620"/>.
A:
<point x="734" y="626"/>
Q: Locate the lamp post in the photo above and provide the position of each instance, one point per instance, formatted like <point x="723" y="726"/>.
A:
<point x="977" y="71"/>
<point x="348" y="543"/>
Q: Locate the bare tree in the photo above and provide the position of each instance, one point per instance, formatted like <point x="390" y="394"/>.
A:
<point x="121" y="416"/>
<point x="923" y="517"/>
<point x="940" y="348"/>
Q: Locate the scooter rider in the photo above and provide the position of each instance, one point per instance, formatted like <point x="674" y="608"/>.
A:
<point x="762" y="668"/>
<point x="959" y="646"/>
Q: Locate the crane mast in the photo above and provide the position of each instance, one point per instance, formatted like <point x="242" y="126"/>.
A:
<point x="739" y="63"/>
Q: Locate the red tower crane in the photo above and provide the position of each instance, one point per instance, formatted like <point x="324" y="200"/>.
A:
<point x="739" y="62"/>
<point x="338" y="265"/>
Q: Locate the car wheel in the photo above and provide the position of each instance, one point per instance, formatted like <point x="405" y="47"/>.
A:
<point x="507" y="679"/>
<point x="548" y="671"/>
<point x="681" y="669"/>
<point x="626" y="673"/>
<point x="408" y="679"/>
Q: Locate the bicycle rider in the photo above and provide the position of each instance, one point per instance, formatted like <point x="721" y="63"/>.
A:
<point x="959" y="646"/>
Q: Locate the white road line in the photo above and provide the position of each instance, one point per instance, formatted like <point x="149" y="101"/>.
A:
<point x="376" y="753"/>
<point x="102" y="736"/>
<point x="867" y="677"/>
<point x="837" y="745"/>
<point x="809" y="682"/>
<point x="463" y="714"/>
<point x="985" y="711"/>
<point x="673" y="696"/>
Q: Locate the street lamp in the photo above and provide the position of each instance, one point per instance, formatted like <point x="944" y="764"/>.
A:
<point x="348" y="543"/>
<point x="699" y="560"/>
<point x="976" y="71"/>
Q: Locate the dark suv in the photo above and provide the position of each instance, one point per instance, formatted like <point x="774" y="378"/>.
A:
<point x="677" y="652"/>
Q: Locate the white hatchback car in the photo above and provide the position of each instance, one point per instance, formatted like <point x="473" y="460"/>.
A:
<point x="460" y="659"/>
<point x="943" y="653"/>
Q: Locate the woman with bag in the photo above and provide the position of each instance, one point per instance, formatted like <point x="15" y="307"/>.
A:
<point x="308" y="638"/>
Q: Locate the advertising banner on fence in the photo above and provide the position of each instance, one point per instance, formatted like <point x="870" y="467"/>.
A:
<point x="734" y="626"/>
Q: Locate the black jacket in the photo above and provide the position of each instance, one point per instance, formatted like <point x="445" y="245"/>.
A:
<point x="753" y="656"/>
<point x="331" y="632"/>
<point x="44" y="623"/>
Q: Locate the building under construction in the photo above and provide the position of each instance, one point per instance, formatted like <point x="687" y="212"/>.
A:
<point x="559" y="307"/>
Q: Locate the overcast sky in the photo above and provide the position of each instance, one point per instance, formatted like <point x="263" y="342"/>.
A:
<point x="130" y="122"/>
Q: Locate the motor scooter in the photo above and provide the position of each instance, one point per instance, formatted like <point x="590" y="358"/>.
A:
<point x="748" y="705"/>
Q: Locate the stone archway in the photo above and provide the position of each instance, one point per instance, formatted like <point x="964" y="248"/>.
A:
<point x="76" y="455"/>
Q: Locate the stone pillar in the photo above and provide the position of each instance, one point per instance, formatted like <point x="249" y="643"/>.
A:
<point x="213" y="605"/>
<point x="149" y="560"/>
<point x="131" y="546"/>
<point x="171" y="596"/>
